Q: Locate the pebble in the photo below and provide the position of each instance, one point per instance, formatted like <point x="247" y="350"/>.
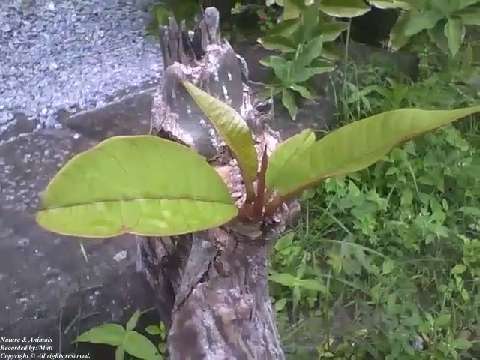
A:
<point x="120" y="256"/>
<point x="67" y="54"/>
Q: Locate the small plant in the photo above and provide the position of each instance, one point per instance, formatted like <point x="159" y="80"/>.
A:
<point x="445" y="22"/>
<point x="127" y="340"/>
<point x="150" y="186"/>
<point x="156" y="200"/>
<point x="304" y="37"/>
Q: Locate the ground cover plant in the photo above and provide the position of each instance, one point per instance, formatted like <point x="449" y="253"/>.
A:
<point x="392" y="250"/>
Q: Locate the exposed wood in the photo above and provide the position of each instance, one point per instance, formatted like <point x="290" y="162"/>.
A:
<point x="211" y="287"/>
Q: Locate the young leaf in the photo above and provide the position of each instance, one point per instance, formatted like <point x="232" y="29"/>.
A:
<point x="309" y="52"/>
<point x="233" y="129"/>
<point x="455" y="32"/>
<point x="344" y="8"/>
<point x="357" y="146"/>
<point x="132" y="322"/>
<point x="292" y="151"/>
<point x="109" y="334"/>
<point x="288" y="100"/>
<point x="135" y="184"/>
<point x="139" y="346"/>
<point x="153" y="330"/>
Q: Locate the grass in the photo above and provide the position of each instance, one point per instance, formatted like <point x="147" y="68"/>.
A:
<point x="394" y="250"/>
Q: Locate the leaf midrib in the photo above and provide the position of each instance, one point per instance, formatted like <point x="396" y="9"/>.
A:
<point x="136" y="199"/>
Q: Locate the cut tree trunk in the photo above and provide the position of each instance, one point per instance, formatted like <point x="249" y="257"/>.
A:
<point x="211" y="287"/>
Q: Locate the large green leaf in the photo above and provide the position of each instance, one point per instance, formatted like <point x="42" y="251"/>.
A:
<point x="344" y="8"/>
<point x="292" y="9"/>
<point x="398" y="39"/>
<point x="355" y="146"/>
<point x="470" y="16"/>
<point x="331" y="31"/>
<point x="280" y="67"/>
<point x="291" y="151"/>
<point x="419" y="22"/>
<point x="288" y="100"/>
<point x="455" y="32"/>
<point x="232" y="128"/>
<point x="299" y="74"/>
<point x="278" y="42"/>
<point x="139" y="346"/>
<point x="390" y="4"/>
<point x="308" y="52"/>
<point x="110" y="334"/>
<point x="135" y="184"/>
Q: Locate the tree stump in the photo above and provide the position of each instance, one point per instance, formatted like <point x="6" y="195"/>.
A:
<point x="211" y="287"/>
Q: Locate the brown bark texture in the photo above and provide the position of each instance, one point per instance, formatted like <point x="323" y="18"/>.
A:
<point x="211" y="287"/>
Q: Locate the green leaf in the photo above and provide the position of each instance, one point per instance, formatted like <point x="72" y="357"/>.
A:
<point x="390" y="4"/>
<point x="278" y="42"/>
<point x="462" y="4"/>
<point x="284" y="279"/>
<point x="311" y="284"/>
<point x="132" y="322"/>
<point x="300" y="75"/>
<point x="292" y="151"/>
<point x="139" y="346"/>
<point x="161" y="14"/>
<point x="462" y="344"/>
<point x="443" y="320"/>
<point x="292" y="9"/>
<point x="331" y="31"/>
<point x="302" y="90"/>
<point x="233" y="129"/>
<point x="459" y="269"/>
<point x="398" y="39"/>
<point x="153" y="330"/>
<point x="309" y="52"/>
<point x="420" y="22"/>
<point x="285" y="28"/>
<point x="285" y="241"/>
<point x="288" y="100"/>
<point x="388" y="266"/>
<point x="357" y="146"/>
<point x="470" y="16"/>
<point x="344" y="8"/>
<point x="455" y="32"/>
<point x="110" y="334"/>
<point x="279" y="65"/>
<point x="280" y="304"/>
<point x="135" y="184"/>
<point x="437" y="36"/>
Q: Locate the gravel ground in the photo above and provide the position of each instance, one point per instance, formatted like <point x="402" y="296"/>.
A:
<point x="71" y="55"/>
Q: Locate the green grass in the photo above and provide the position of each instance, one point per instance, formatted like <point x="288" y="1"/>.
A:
<point x="392" y="253"/>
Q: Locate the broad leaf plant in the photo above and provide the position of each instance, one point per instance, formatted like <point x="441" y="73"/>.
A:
<point x="150" y="186"/>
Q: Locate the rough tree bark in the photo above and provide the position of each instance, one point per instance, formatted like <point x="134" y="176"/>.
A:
<point x="211" y="287"/>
